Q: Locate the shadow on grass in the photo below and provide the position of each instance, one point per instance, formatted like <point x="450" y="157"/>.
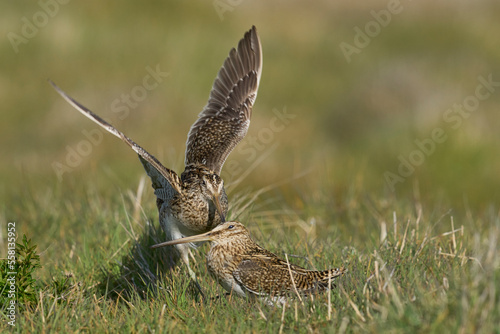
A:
<point x="142" y="272"/>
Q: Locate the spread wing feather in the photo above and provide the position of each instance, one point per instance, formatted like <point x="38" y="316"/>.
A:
<point x="225" y="119"/>
<point x="160" y="175"/>
<point x="164" y="190"/>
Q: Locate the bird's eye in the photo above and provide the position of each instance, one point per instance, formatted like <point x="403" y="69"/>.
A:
<point x="230" y="227"/>
<point x="203" y="182"/>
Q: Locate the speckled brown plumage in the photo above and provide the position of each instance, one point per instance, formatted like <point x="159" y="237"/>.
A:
<point x="248" y="270"/>
<point x="225" y="119"/>
<point x="196" y="201"/>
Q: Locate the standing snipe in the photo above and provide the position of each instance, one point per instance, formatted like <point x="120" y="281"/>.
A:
<point x="197" y="202"/>
<point x="243" y="267"/>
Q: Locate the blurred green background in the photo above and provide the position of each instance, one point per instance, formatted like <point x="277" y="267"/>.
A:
<point x="354" y="118"/>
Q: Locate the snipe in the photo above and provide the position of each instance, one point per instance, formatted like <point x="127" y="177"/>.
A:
<point x="244" y="268"/>
<point x="196" y="202"/>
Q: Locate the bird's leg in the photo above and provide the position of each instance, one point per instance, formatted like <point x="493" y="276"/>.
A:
<point x="192" y="256"/>
<point x="185" y="252"/>
<point x="195" y="281"/>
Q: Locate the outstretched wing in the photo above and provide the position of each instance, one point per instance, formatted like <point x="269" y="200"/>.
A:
<point x="149" y="160"/>
<point x="225" y="119"/>
<point x="164" y="190"/>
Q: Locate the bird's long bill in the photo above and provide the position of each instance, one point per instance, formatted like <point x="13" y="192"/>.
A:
<point x="194" y="238"/>
<point x="218" y="207"/>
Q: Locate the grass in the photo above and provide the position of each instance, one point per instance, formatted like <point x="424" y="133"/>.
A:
<point x="406" y="277"/>
<point x="422" y="257"/>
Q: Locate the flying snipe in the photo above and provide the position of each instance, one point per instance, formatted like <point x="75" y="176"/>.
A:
<point x="197" y="202"/>
<point x="248" y="270"/>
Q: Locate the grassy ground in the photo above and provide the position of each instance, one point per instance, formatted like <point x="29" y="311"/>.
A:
<point x="375" y="167"/>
